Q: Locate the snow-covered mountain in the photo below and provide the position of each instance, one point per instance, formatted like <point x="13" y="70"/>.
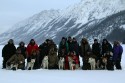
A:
<point x="88" y="18"/>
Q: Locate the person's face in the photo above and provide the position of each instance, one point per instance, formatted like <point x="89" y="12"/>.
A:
<point x="71" y="53"/>
<point x="115" y="43"/>
<point x="69" y="39"/>
<point x="105" y="42"/>
<point x="11" y="42"/>
<point x="32" y="42"/>
<point x="63" y="40"/>
<point x="18" y="51"/>
<point x="22" y="44"/>
<point x="95" y="41"/>
<point x="74" y="40"/>
<point x="84" y="41"/>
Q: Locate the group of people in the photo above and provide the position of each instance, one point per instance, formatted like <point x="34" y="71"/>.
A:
<point x="68" y="47"/>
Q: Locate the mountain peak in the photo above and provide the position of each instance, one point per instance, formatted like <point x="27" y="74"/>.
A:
<point x="78" y="20"/>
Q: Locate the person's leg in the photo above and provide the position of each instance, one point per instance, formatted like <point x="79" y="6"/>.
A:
<point x="118" y="65"/>
<point x="21" y="66"/>
<point x="110" y="65"/>
<point x="4" y="62"/>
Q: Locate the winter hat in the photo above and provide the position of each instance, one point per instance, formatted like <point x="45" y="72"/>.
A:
<point x="69" y="37"/>
<point x="104" y="39"/>
<point x="63" y="38"/>
<point x="47" y="40"/>
<point x="11" y="41"/>
<point x="21" y="43"/>
<point x="32" y="40"/>
<point x="95" y="40"/>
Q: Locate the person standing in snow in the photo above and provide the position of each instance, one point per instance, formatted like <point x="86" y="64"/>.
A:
<point x="96" y="50"/>
<point x="44" y="50"/>
<point x="85" y="47"/>
<point x="32" y="46"/>
<point x="23" y="49"/>
<point x="106" y="47"/>
<point x="7" y="52"/>
<point x="117" y="54"/>
<point x="76" y="47"/>
<point x="70" y="44"/>
<point x="63" y="46"/>
<point x="85" y="51"/>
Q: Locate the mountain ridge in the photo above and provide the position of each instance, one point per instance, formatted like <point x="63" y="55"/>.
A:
<point x="84" y="19"/>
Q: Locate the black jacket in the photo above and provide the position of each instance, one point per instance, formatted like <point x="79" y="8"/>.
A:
<point x="8" y="50"/>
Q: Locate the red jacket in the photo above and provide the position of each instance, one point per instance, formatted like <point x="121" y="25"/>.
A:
<point x="30" y="48"/>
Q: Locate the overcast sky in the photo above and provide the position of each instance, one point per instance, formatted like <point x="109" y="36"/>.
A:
<point x="13" y="11"/>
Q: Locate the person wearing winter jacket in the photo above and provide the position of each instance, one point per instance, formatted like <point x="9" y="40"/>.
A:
<point x="117" y="54"/>
<point x="85" y="47"/>
<point x="70" y="44"/>
<point x="76" y="47"/>
<point x="52" y="59"/>
<point x="85" y="50"/>
<point x="32" y="46"/>
<point x="17" y="59"/>
<point x="53" y="45"/>
<point x="106" y="47"/>
<point x="7" y="52"/>
<point x="96" y="49"/>
<point x="23" y="48"/>
<point x="44" y="50"/>
<point x="63" y="45"/>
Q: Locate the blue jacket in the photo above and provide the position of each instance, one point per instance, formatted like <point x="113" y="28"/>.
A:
<point x="117" y="52"/>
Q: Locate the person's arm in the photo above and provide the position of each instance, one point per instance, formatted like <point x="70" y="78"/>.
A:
<point x="37" y="49"/>
<point x="120" y="52"/>
<point x="3" y="51"/>
<point x="11" y="59"/>
<point x="22" y="59"/>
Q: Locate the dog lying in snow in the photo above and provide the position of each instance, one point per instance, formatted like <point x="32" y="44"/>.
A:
<point x="45" y="62"/>
<point x="61" y="63"/>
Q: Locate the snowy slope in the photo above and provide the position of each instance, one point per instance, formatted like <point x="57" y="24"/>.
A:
<point x="77" y="20"/>
<point x="62" y="76"/>
<point x="88" y="10"/>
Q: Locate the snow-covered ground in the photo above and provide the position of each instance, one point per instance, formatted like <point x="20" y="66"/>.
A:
<point x="62" y="76"/>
